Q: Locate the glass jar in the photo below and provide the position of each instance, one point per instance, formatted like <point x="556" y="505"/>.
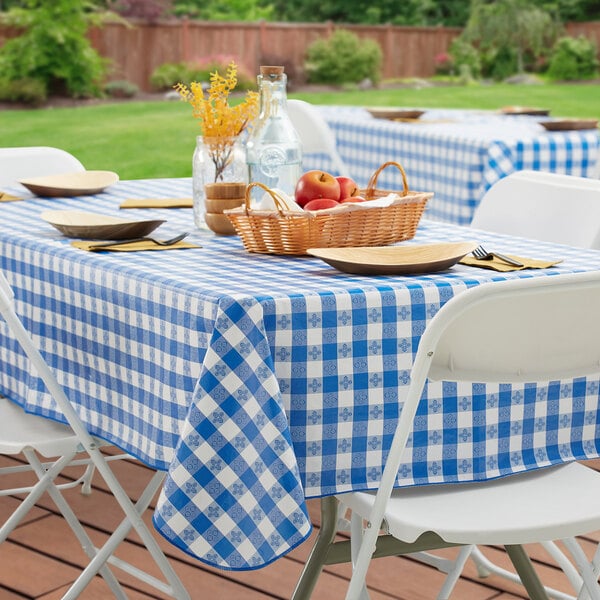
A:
<point x="273" y="150"/>
<point x="216" y="160"/>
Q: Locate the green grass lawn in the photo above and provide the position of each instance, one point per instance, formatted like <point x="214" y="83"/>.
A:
<point x="157" y="139"/>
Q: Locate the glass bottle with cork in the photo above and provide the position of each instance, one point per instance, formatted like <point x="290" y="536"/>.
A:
<point x="273" y="148"/>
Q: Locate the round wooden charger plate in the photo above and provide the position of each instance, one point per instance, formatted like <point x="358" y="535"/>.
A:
<point x="569" y="124"/>
<point x="94" y="226"/>
<point x="394" y="260"/>
<point x="70" y="184"/>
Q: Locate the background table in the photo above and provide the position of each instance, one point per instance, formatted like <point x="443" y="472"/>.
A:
<point x="457" y="154"/>
<point x="258" y="381"/>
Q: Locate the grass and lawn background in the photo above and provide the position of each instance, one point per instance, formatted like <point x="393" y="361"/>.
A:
<point x="157" y="138"/>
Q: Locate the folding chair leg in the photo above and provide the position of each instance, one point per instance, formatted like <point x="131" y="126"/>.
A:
<point x="133" y="520"/>
<point x="356" y="529"/>
<point x="590" y="588"/>
<point x="529" y="578"/>
<point x="564" y="563"/>
<point x="75" y="525"/>
<point x="484" y="565"/>
<point x="454" y="573"/>
<point x="34" y="495"/>
<point x="316" y="560"/>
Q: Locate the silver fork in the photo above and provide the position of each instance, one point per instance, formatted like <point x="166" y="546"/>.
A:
<point x="169" y="242"/>
<point x="482" y="254"/>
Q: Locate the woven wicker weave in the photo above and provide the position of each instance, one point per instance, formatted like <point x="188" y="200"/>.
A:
<point x="290" y="232"/>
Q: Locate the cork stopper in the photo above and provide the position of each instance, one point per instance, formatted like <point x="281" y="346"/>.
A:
<point x="271" y="72"/>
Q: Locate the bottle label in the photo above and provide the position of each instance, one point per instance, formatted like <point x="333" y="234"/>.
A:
<point x="271" y="159"/>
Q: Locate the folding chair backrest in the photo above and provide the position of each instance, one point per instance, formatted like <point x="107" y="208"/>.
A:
<point x="543" y="206"/>
<point x="523" y="331"/>
<point x="315" y="134"/>
<point x="539" y="329"/>
<point x="34" y="161"/>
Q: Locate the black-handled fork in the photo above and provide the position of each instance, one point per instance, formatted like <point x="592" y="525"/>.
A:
<point x="481" y="253"/>
<point x="169" y="242"/>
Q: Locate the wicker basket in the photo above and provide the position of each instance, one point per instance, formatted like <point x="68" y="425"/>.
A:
<point x="293" y="232"/>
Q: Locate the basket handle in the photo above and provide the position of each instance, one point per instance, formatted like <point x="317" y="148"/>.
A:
<point x="276" y="199"/>
<point x="373" y="181"/>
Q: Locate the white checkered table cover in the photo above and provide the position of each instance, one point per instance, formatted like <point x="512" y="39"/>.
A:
<point x="457" y="154"/>
<point x="258" y="381"/>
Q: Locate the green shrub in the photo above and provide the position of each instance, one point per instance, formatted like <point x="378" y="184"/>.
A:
<point x="573" y="58"/>
<point x="343" y="58"/>
<point x="465" y="57"/>
<point x="121" y="89"/>
<point x="167" y="75"/>
<point x="501" y="64"/>
<point x="26" y="90"/>
<point x="53" y="48"/>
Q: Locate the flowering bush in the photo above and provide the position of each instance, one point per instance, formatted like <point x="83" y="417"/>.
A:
<point x="444" y="65"/>
<point x="220" y="123"/>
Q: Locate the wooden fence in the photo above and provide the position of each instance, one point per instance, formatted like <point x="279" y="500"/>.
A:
<point x="136" y="50"/>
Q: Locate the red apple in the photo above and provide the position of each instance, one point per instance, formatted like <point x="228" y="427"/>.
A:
<point x="320" y="203"/>
<point x="348" y="187"/>
<point x="316" y="184"/>
<point x="352" y="199"/>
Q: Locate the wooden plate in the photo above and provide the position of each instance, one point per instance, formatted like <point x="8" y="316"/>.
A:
<point x="525" y="110"/>
<point x="70" y="184"/>
<point x="569" y="124"/>
<point x="93" y="226"/>
<point x="382" y="112"/>
<point x="394" y="260"/>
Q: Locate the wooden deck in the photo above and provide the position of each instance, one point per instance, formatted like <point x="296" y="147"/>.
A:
<point x="41" y="558"/>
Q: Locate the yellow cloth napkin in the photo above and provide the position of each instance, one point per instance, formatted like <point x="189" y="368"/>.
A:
<point x="498" y="265"/>
<point x="157" y="203"/>
<point x="131" y="247"/>
<point x="5" y="197"/>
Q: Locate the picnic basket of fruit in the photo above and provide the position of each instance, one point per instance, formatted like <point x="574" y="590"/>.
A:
<point x="316" y="219"/>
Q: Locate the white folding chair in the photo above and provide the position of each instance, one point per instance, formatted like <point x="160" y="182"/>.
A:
<point x="543" y="206"/>
<point x="541" y="329"/>
<point x="34" y="161"/>
<point x="20" y="432"/>
<point x="315" y="134"/>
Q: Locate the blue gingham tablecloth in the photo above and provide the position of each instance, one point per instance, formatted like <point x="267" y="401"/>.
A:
<point x="258" y="381"/>
<point x="457" y="154"/>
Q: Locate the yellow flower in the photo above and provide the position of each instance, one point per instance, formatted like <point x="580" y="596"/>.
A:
<point x="220" y="123"/>
<point x="217" y="118"/>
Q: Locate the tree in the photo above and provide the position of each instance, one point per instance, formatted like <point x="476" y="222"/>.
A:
<point x="573" y="10"/>
<point x="142" y="9"/>
<point x="505" y="26"/>
<point x="225" y="10"/>
<point x="409" y="12"/>
<point x="451" y="13"/>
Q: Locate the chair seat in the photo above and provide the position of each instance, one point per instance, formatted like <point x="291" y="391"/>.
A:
<point x="19" y="430"/>
<point x="551" y="503"/>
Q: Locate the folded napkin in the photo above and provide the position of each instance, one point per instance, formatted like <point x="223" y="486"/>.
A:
<point x="6" y="197"/>
<point x="157" y="203"/>
<point x="94" y="246"/>
<point x="498" y="265"/>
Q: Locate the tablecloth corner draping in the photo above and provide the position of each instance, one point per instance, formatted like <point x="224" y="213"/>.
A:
<point x="233" y="496"/>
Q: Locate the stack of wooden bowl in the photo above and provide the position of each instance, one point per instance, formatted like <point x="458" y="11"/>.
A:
<point x="219" y="197"/>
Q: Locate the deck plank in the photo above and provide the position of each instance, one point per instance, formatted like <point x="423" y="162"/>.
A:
<point x="41" y="559"/>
